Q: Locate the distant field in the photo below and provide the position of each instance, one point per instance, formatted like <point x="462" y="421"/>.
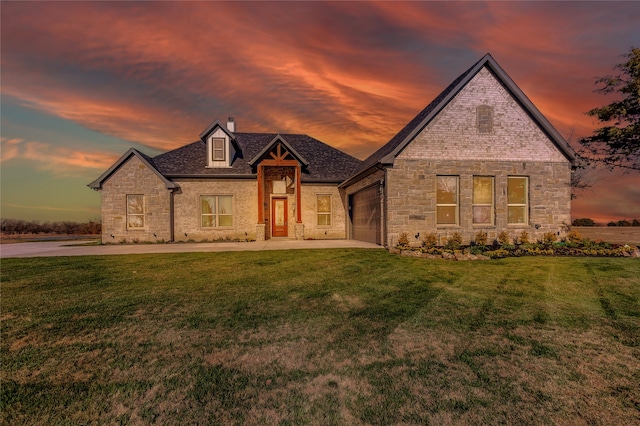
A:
<point x="24" y="238"/>
<point x="321" y="337"/>
<point x="611" y="234"/>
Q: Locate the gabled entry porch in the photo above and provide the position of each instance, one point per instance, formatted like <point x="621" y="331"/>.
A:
<point x="279" y="170"/>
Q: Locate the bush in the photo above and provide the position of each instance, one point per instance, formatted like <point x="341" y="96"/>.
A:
<point x="403" y="240"/>
<point x="524" y="238"/>
<point x="583" y="222"/>
<point x="430" y="240"/>
<point x="454" y="241"/>
<point x="481" y="238"/>
<point x="573" y="237"/>
<point x="503" y="238"/>
<point x="549" y="238"/>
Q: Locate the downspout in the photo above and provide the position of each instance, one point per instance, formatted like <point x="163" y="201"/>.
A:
<point x="171" y="217"/>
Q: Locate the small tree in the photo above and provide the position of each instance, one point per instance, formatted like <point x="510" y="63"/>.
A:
<point x="584" y="222"/>
<point x="618" y="143"/>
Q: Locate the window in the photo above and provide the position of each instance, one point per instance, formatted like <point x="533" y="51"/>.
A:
<point x="517" y="200"/>
<point x="324" y="210"/>
<point x="447" y="200"/>
<point x="483" y="200"/>
<point x="484" y="119"/>
<point x="217" y="149"/>
<point x="216" y="210"/>
<point x="135" y="211"/>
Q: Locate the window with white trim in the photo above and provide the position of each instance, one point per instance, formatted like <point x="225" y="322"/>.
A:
<point x="483" y="200"/>
<point x="217" y="149"/>
<point x="216" y="211"/>
<point x="135" y="211"/>
<point x="324" y="210"/>
<point x="517" y="200"/>
<point x="447" y="200"/>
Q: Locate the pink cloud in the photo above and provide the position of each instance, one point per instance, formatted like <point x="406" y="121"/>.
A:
<point x="61" y="161"/>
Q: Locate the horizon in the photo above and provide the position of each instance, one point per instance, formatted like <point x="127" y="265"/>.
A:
<point x="77" y="93"/>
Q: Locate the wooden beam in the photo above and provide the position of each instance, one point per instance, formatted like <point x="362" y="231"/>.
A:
<point x="298" y="198"/>
<point x="260" y="194"/>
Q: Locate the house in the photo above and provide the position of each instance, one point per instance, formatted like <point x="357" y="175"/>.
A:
<point x="480" y="157"/>
<point x="227" y="185"/>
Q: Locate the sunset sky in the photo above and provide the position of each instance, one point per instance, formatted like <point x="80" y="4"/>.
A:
<point x="81" y="82"/>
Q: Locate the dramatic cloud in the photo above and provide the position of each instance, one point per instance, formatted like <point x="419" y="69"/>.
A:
<point x="59" y="160"/>
<point x="349" y="73"/>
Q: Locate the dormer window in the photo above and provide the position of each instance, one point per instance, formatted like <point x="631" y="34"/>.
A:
<point x="217" y="149"/>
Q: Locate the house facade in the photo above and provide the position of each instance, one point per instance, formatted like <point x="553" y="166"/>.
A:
<point x="480" y="157"/>
<point x="227" y="186"/>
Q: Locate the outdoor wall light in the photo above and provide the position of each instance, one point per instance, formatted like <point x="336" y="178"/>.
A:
<point x="537" y="226"/>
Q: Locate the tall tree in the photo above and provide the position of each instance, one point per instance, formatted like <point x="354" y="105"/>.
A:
<point x="617" y="144"/>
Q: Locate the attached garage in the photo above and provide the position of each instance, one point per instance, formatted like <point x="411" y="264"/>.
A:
<point x="366" y="215"/>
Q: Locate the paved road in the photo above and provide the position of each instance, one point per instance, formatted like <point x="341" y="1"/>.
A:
<point x="71" y="248"/>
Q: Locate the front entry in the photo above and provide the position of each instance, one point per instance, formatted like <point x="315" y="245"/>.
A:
<point x="279" y="218"/>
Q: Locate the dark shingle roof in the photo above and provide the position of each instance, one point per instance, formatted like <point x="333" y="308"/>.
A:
<point x="325" y="162"/>
<point x="387" y="153"/>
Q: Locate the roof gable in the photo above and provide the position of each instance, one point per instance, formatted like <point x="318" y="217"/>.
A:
<point x="218" y="125"/>
<point x="273" y="145"/>
<point x="386" y="154"/>
<point x="97" y="184"/>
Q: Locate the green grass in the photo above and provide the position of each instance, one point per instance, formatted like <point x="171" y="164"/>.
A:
<point x="325" y="337"/>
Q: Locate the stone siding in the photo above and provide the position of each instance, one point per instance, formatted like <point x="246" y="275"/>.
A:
<point x="187" y="217"/>
<point x="134" y="177"/>
<point x="452" y="145"/>
<point x="454" y="135"/>
<point x="337" y="229"/>
<point x="411" y="198"/>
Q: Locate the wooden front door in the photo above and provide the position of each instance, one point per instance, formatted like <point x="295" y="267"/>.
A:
<point x="279" y="218"/>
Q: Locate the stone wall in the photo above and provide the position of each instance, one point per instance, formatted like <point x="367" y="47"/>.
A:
<point x="134" y="177"/>
<point x="411" y="198"/>
<point x="454" y="144"/>
<point x="337" y="229"/>
<point x="187" y="217"/>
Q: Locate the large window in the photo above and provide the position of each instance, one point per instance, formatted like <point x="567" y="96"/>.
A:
<point x="216" y="210"/>
<point x="135" y="211"/>
<point x="483" y="200"/>
<point x="518" y="200"/>
<point x="217" y="149"/>
<point x="324" y="210"/>
<point x="447" y="200"/>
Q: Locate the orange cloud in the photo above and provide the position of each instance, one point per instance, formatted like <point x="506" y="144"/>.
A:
<point x="62" y="161"/>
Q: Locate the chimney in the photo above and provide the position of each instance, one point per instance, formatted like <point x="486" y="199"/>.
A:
<point x="231" y="125"/>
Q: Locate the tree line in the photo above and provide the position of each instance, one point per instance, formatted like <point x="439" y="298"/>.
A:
<point x="20" y="226"/>
<point x="590" y="222"/>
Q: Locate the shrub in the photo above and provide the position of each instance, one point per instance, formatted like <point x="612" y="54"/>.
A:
<point x="549" y="238"/>
<point x="584" y="222"/>
<point x="403" y="240"/>
<point x="523" y="238"/>
<point x="573" y="237"/>
<point x="430" y="240"/>
<point x="454" y="241"/>
<point x="503" y="238"/>
<point x="481" y="238"/>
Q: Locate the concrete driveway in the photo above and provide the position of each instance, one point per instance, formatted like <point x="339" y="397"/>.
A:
<point x="71" y="248"/>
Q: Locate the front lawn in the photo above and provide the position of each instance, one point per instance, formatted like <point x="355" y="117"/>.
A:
<point x="319" y="337"/>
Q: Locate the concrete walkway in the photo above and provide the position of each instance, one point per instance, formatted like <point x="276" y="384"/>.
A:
<point x="72" y="248"/>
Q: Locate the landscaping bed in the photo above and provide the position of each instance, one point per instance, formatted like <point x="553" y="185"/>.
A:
<point x="573" y="244"/>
